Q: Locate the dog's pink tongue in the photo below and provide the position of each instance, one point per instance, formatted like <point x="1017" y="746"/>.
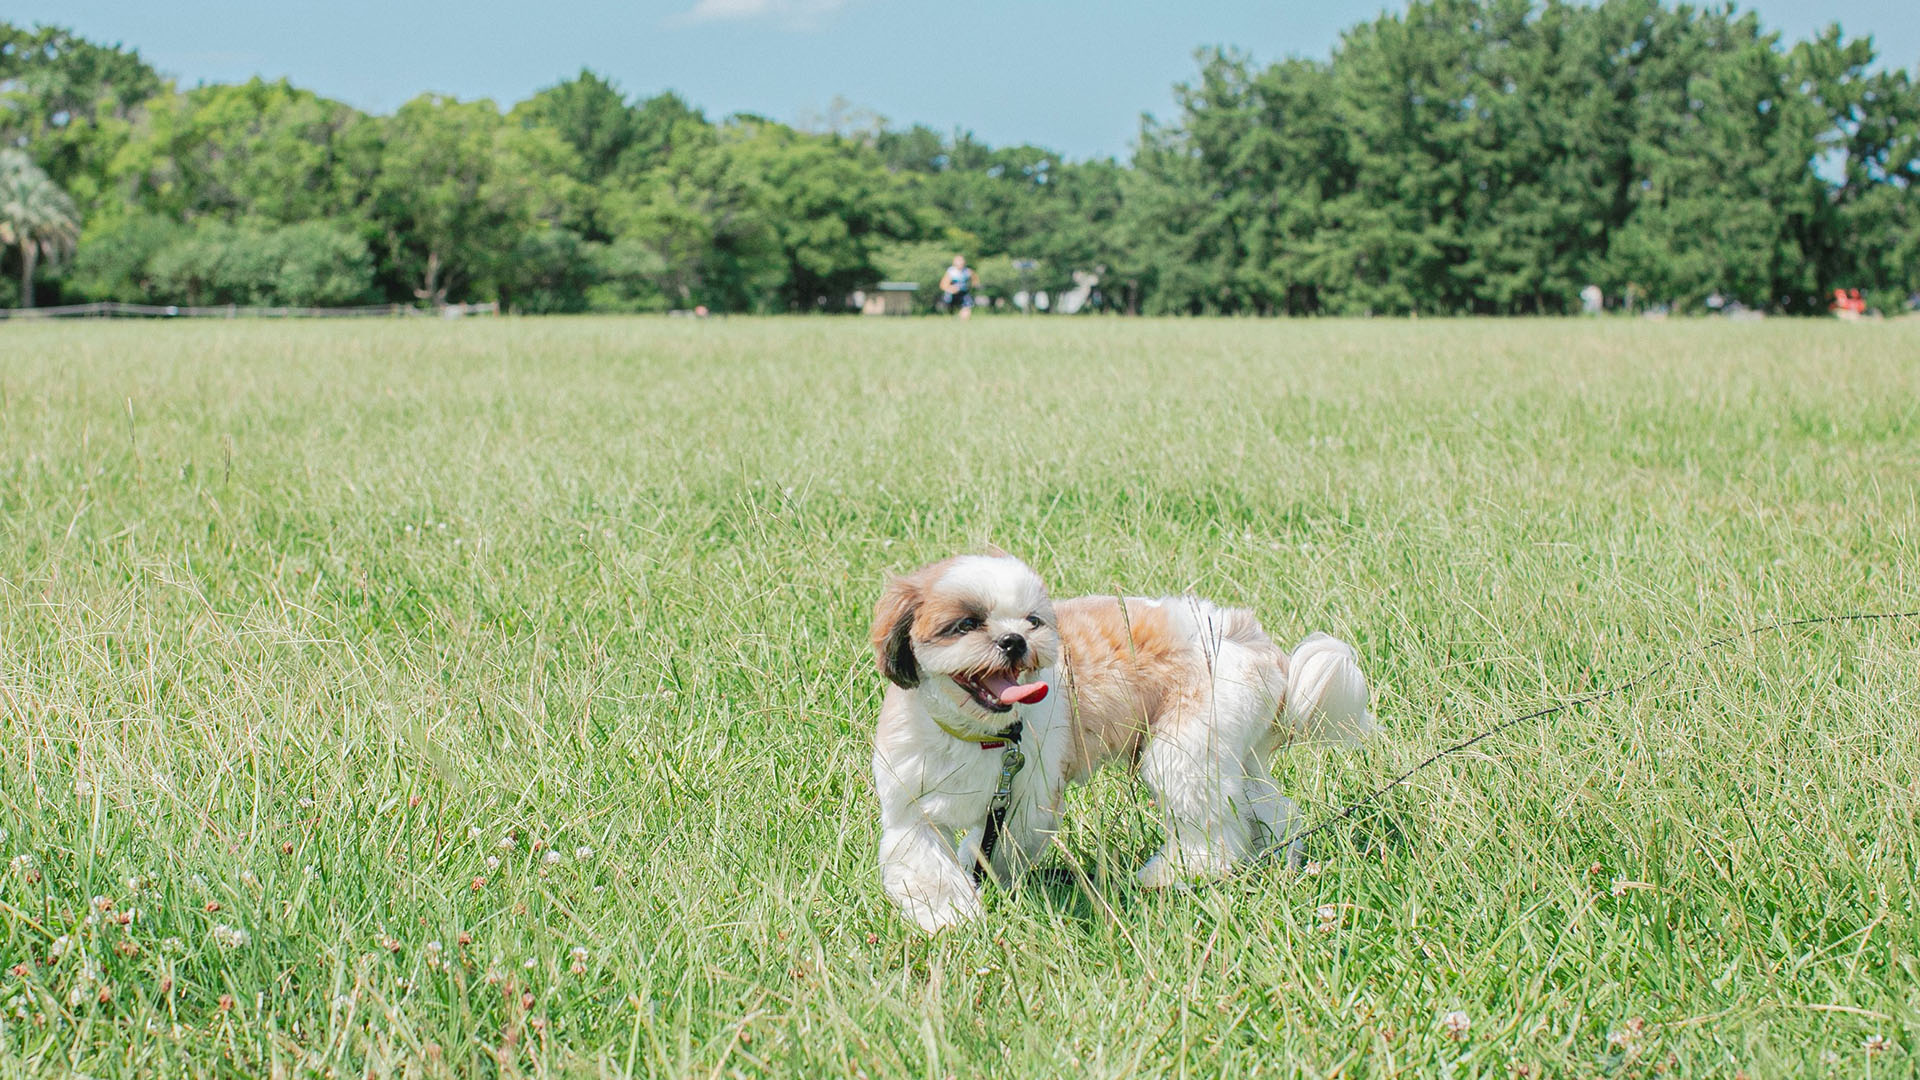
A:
<point x="1024" y="694"/>
<point x="1011" y="693"/>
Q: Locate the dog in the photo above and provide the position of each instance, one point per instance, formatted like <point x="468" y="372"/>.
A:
<point x="979" y="658"/>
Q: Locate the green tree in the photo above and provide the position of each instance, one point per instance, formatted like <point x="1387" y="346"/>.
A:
<point x="36" y="217"/>
<point x="1474" y="156"/>
<point x="589" y="114"/>
<point x="1227" y="207"/>
<point x="1724" y="146"/>
<point x="1869" y="236"/>
<point x="665" y="127"/>
<point x="310" y="264"/>
<point x="114" y="258"/>
<point x="831" y="204"/>
<point x="260" y="151"/>
<point x="72" y="102"/>
<point x="919" y="261"/>
<point x="628" y="276"/>
<point x="704" y="218"/>
<point x="459" y="188"/>
<point x="1082" y="230"/>
<point x="313" y="264"/>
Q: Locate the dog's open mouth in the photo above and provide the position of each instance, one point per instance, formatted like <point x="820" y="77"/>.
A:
<point x="995" y="691"/>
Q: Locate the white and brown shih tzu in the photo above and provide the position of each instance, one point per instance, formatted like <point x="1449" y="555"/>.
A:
<point x="997" y="688"/>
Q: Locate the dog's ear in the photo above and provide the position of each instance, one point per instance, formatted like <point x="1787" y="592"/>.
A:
<point x="994" y="550"/>
<point x="892" y="622"/>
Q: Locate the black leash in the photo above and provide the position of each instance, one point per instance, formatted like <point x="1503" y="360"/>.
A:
<point x="1587" y="699"/>
<point x="1011" y="759"/>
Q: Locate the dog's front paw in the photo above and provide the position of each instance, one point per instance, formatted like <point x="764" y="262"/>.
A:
<point x="1177" y="869"/>
<point x="1160" y="873"/>
<point x="934" y="901"/>
<point x="933" y="915"/>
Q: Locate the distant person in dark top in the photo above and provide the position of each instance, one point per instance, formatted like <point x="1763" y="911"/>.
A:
<point x="957" y="283"/>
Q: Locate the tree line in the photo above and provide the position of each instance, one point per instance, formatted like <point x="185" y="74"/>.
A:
<point x="1465" y="156"/>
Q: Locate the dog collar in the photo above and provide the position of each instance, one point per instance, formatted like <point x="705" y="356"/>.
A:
<point x="986" y="742"/>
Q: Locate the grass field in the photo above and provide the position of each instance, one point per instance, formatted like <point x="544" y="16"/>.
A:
<point x="493" y="698"/>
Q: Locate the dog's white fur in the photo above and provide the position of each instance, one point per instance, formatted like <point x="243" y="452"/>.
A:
<point x="1196" y="694"/>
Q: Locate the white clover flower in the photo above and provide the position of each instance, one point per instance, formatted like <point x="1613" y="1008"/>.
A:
<point x="1455" y="1024"/>
<point x="583" y="853"/>
<point x="1626" y="1037"/>
<point x="173" y="945"/>
<point x="506" y="842"/>
<point x="550" y="857"/>
<point x="493" y="862"/>
<point x="1329" y="916"/>
<point x="305" y="803"/>
<point x="22" y="861"/>
<point x="231" y="937"/>
<point x="60" y="946"/>
<point x="1877" y="1044"/>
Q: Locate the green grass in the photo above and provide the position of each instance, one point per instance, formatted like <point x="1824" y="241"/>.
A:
<point x="300" y="620"/>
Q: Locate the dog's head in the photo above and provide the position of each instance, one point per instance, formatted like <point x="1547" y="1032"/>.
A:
<point x="974" y="629"/>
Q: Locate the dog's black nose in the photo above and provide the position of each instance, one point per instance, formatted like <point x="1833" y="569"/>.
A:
<point x="1013" y="645"/>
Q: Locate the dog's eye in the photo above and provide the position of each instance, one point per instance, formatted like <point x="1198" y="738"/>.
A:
<point x="965" y="626"/>
<point x="1035" y="621"/>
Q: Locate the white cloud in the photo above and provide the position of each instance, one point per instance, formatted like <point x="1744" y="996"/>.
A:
<point x="793" y="14"/>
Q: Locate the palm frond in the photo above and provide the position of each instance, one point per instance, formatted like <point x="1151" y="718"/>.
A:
<point x="33" y="210"/>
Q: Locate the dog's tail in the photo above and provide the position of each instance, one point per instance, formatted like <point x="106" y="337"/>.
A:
<point x="1326" y="692"/>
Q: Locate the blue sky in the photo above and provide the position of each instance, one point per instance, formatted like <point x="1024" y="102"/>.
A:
<point x="1074" y="75"/>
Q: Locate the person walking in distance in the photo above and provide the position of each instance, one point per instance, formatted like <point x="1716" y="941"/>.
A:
<point x="957" y="283"/>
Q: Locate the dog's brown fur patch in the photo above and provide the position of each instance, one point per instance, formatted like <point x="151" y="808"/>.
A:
<point x="893" y="621"/>
<point x="1126" y="665"/>
<point x="940" y="612"/>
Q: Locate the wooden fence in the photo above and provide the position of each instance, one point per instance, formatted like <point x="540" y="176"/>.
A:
<point x="108" y="309"/>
